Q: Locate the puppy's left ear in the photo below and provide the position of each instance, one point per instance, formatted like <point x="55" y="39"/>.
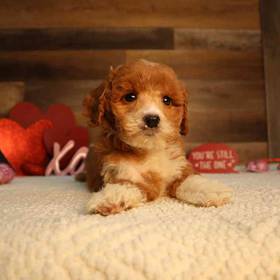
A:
<point x="94" y="105"/>
<point x="97" y="103"/>
<point x="184" y="127"/>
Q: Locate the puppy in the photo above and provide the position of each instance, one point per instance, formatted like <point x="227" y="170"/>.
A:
<point x="139" y="154"/>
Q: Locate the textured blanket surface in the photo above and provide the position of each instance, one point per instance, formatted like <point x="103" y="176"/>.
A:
<point x="45" y="234"/>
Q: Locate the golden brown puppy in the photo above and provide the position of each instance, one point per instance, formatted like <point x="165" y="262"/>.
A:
<point x="139" y="155"/>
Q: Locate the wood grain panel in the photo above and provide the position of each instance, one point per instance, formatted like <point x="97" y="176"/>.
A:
<point x="190" y="64"/>
<point x="240" y="40"/>
<point x="58" y="64"/>
<point x="271" y="39"/>
<point x="208" y="64"/>
<point x="231" y="14"/>
<point x="227" y="111"/>
<point x="226" y="95"/>
<point x="219" y="110"/>
<point x="86" y="38"/>
<point x="223" y="126"/>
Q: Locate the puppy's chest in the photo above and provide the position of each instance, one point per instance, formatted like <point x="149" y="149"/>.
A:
<point x="166" y="165"/>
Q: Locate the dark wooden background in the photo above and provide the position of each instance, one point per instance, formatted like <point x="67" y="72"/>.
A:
<point x="270" y="11"/>
<point x="62" y="49"/>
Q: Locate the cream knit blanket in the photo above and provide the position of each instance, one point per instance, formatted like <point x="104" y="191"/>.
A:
<point x="45" y="234"/>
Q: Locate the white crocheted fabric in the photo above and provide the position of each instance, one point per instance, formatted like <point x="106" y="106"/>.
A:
<point x="45" y="234"/>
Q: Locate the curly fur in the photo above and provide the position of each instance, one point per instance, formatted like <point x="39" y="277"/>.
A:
<point x="130" y="159"/>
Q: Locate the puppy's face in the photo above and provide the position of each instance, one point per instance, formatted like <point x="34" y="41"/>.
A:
<point x="143" y="102"/>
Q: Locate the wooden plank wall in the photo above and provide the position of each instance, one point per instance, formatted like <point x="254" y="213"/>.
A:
<point x="62" y="49"/>
<point x="271" y="40"/>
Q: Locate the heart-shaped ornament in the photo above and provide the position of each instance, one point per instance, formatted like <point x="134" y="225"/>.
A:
<point x="60" y="115"/>
<point x="24" y="146"/>
<point x="63" y="130"/>
<point x="78" y="134"/>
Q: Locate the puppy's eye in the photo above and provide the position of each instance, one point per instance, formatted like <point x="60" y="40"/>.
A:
<point x="167" y="100"/>
<point x="130" y="97"/>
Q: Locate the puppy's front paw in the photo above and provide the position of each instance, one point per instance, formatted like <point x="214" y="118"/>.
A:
<point x="201" y="191"/>
<point x="114" y="198"/>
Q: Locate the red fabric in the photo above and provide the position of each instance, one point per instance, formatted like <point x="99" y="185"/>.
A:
<point x="64" y="126"/>
<point x="25" y="114"/>
<point x="78" y="134"/>
<point x="24" y="147"/>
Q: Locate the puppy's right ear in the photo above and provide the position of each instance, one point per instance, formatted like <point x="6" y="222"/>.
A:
<point x="95" y="104"/>
<point x="184" y="127"/>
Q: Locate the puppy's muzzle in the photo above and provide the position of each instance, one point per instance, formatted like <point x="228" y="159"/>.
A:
<point x="151" y="121"/>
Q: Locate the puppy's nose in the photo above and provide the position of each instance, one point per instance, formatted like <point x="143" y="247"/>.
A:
<point x="151" y="121"/>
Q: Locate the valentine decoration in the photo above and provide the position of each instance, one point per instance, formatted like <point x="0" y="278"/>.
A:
<point x="262" y="165"/>
<point x="24" y="147"/>
<point x="257" y="166"/>
<point x="76" y="164"/>
<point x="25" y="114"/>
<point x="63" y="128"/>
<point x="79" y="136"/>
<point x="29" y="136"/>
<point x="214" y="158"/>
<point x="6" y="173"/>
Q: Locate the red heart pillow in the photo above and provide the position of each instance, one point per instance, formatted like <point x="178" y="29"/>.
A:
<point x="78" y="134"/>
<point x="60" y="115"/>
<point x="24" y="148"/>
<point x="13" y="143"/>
<point x="25" y="114"/>
<point x="64" y="126"/>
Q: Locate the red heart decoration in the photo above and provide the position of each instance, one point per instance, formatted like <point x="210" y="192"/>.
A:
<point x="33" y="169"/>
<point x="24" y="147"/>
<point x="13" y="143"/>
<point x="25" y="114"/>
<point x="64" y="126"/>
<point x="77" y="133"/>
<point x="60" y="115"/>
